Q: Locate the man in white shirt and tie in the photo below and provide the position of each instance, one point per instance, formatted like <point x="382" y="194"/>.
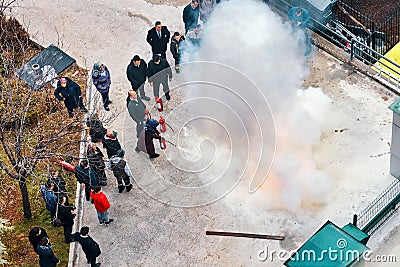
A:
<point x="158" y="38"/>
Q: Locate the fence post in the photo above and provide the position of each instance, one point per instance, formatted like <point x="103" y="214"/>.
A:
<point x="355" y="220"/>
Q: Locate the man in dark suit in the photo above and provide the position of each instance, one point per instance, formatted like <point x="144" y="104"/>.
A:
<point x="137" y="75"/>
<point x="137" y="110"/>
<point x="89" y="246"/>
<point x="158" y="37"/>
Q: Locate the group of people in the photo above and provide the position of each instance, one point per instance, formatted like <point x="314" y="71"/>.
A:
<point x="41" y="244"/>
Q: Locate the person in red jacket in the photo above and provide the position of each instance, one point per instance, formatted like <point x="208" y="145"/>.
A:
<point x="101" y="204"/>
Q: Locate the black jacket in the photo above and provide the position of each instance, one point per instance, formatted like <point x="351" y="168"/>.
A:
<point x="95" y="158"/>
<point x="137" y="75"/>
<point x="97" y="130"/>
<point x="159" y="72"/>
<point x="89" y="246"/>
<point x="158" y="45"/>
<point x="65" y="216"/>
<point x="70" y="93"/>
<point x="176" y="47"/>
<point x="46" y="256"/>
<point x="86" y="176"/>
<point x="190" y="16"/>
<point x="111" y="146"/>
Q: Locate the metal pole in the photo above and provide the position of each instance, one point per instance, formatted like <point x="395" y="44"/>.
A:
<point x="259" y="236"/>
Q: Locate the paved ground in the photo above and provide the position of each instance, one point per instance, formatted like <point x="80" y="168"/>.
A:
<point x="352" y="150"/>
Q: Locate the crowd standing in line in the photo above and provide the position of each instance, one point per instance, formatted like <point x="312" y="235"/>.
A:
<point x="90" y="172"/>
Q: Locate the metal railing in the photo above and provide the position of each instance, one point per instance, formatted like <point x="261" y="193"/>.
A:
<point x="379" y="210"/>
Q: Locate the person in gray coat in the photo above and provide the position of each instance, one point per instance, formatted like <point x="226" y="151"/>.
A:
<point x="206" y="7"/>
<point x="121" y="171"/>
<point x="137" y="110"/>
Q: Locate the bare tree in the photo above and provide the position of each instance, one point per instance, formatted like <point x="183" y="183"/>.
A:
<point x="33" y="125"/>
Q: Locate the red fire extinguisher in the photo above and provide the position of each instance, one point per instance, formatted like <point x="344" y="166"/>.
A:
<point x="159" y="104"/>
<point x="163" y="143"/>
<point x="163" y="128"/>
<point x="66" y="165"/>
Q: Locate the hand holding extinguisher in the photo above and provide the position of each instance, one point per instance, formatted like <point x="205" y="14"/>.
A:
<point x="163" y="143"/>
<point x="163" y="127"/>
<point x="159" y="104"/>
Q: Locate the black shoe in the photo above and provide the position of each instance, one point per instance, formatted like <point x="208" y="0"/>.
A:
<point x="129" y="187"/>
<point x="145" y="98"/>
<point x="88" y="261"/>
<point x="109" y="102"/>
<point x="98" y="264"/>
<point x="137" y="149"/>
<point x="167" y="96"/>
<point x="121" y="188"/>
<point x="154" y="156"/>
<point x="109" y="221"/>
<point x="107" y="108"/>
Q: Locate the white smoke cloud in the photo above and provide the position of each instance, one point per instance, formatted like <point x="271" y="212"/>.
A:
<point x="249" y="37"/>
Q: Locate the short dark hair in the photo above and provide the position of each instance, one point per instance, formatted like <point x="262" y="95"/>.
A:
<point x="176" y="34"/>
<point x="44" y="241"/>
<point x="299" y="10"/>
<point x="136" y="58"/>
<point x="157" y="23"/>
<point x="84" y="163"/>
<point x="84" y="230"/>
<point x="97" y="189"/>
<point x="195" y="1"/>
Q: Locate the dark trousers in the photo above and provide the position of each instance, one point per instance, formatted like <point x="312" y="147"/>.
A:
<point x="71" y="110"/>
<point x="106" y="99"/>
<point x="87" y="192"/>
<point x="177" y="61"/>
<point x="68" y="233"/>
<point x="156" y="87"/>
<point x="141" y="91"/>
<point x="101" y="175"/>
<point x="92" y="260"/>
<point x="125" y="179"/>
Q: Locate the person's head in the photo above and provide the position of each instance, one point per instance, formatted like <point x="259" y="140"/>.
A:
<point x="49" y="185"/>
<point x="63" y="199"/>
<point x="136" y="60"/>
<point x="98" y="66"/>
<point x="92" y="146"/>
<point x="97" y="189"/>
<point x="132" y="94"/>
<point x="120" y="153"/>
<point x="299" y="11"/>
<point x="111" y="134"/>
<point x="44" y="241"/>
<point x="84" y="163"/>
<point x="54" y="173"/>
<point x="36" y="231"/>
<point x="156" y="59"/>
<point x="177" y="36"/>
<point x="63" y="82"/>
<point x="194" y="3"/>
<point x="84" y="230"/>
<point x="158" y="25"/>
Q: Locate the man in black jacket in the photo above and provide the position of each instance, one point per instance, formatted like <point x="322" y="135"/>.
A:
<point x="159" y="73"/>
<point x="176" y="49"/>
<point x="66" y="214"/>
<point x="85" y="175"/>
<point x="111" y="143"/>
<point x="137" y="75"/>
<point x="158" y="38"/>
<point x="89" y="246"/>
<point x="191" y="15"/>
<point x="69" y="92"/>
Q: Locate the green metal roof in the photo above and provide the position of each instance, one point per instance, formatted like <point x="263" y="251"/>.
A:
<point x="330" y="246"/>
<point x="395" y="106"/>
